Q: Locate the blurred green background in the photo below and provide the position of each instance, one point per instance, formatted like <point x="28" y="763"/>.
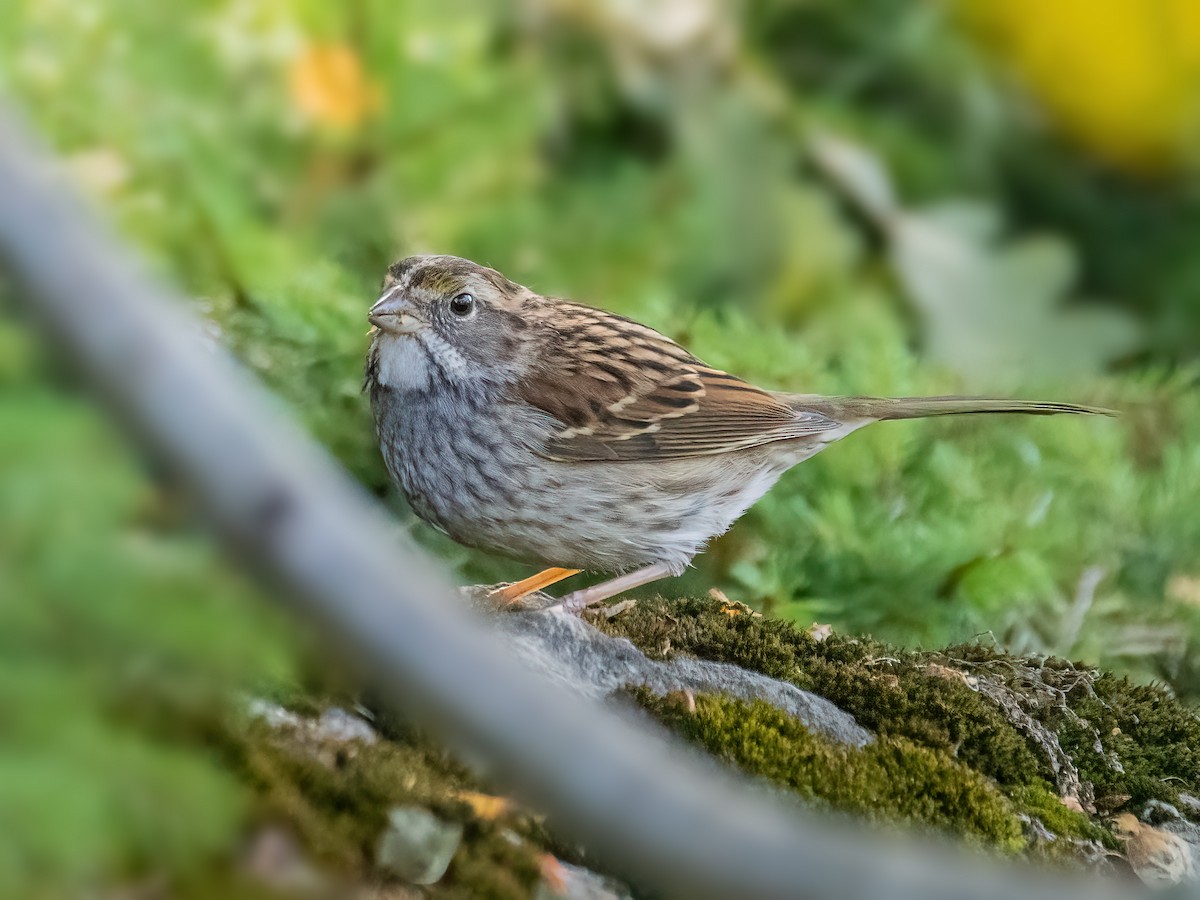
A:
<point x="886" y="196"/>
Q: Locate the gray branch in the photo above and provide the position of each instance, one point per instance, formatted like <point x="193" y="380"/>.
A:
<point x="647" y="806"/>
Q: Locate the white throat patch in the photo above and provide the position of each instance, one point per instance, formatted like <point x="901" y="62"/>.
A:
<point x="404" y="364"/>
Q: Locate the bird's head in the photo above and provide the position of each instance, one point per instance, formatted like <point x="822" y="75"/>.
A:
<point x="443" y="320"/>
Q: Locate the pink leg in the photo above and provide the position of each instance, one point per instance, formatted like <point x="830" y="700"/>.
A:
<point x="576" y="601"/>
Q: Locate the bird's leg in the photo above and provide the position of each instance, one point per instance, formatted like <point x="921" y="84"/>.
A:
<point x="513" y="592"/>
<point x="576" y="601"/>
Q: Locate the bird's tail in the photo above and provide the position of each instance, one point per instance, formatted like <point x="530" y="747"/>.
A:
<point x="854" y="409"/>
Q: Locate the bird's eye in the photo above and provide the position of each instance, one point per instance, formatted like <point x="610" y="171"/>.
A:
<point x="462" y="304"/>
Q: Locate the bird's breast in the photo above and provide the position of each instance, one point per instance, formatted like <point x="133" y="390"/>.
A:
<point x="469" y="469"/>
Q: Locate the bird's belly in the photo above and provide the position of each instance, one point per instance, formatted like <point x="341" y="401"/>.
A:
<point x="601" y="516"/>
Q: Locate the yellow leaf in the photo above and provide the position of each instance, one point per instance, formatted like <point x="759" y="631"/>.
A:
<point x="330" y="88"/>
<point x="1121" y="76"/>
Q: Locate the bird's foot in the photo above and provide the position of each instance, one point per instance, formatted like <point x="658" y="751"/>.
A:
<point x="510" y="594"/>
<point x="574" y="603"/>
<point x="577" y="601"/>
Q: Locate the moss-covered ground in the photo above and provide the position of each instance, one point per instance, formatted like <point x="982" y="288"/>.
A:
<point x="337" y="800"/>
<point x="329" y="792"/>
<point x="969" y="739"/>
<point x="949" y="756"/>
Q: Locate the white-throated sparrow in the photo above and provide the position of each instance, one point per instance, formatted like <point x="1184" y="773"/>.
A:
<point x="557" y="433"/>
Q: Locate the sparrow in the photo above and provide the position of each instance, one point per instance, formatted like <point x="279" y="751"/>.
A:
<point x="561" y="434"/>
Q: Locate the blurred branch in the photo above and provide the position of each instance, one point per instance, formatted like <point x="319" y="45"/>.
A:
<point x="651" y="808"/>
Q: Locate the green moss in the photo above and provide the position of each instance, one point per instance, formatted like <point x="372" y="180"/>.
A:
<point x="337" y="796"/>
<point x="1155" y="738"/>
<point x="892" y="692"/>
<point x="1125" y="739"/>
<point x="890" y="780"/>
<point x="340" y="805"/>
<point x="1047" y="807"/>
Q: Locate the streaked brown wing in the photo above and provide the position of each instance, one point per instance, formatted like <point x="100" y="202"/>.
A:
<point x="623" y="391"/>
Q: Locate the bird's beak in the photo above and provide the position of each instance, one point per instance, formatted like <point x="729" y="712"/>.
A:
<point x="393" y="314"/>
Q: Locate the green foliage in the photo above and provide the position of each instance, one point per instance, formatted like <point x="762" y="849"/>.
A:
<point x="581" y="160"/>
<point x="107" y="597"/>
<point x="590" y="156"/>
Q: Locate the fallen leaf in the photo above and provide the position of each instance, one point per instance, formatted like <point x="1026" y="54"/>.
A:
<point x="484" y="806"/>
<point x="731" y="608"/>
